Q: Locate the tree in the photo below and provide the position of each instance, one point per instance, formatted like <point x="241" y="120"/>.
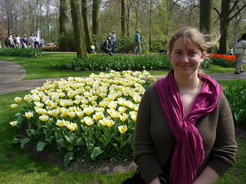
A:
<point x="123" y="17"/>
<point x="9" y="16"/>
<point x="77" y="28"/>
<point x="206" y="16"/>
<point x="64" y="16"/>
<point x="229" y="10"/>
<point x="86" y="25"/>
<point x="95" y="16"/>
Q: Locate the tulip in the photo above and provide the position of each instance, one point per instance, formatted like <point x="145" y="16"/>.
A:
<point x="14" y="106"/>
<point x="18" y="99"/>
<point x="28" y="115"/>
<point x="44" y="118"/>
<point x="122" y="128"/>
<point x="13" y="123"/>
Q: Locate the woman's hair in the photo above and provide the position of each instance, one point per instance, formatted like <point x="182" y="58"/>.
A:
<point x="243" y="37"/>
<point x="194" y="37"/>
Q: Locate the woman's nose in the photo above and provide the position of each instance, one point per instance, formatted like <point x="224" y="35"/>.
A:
<point x="185" y="58"/>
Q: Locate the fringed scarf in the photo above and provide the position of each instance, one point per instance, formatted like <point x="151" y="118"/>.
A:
<point x="189" y="151"/>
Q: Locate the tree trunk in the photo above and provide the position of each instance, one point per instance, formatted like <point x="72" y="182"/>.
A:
<point x="150" y="23"/>
<point x="224" y="25"/>
<point x="64" y="16"/>
<point x="86" y="25"/>
<point x="95" y="16"/>
<point x="206" y="16"/>
<point x="123" y="17"/>
<point x="77" y="28"/>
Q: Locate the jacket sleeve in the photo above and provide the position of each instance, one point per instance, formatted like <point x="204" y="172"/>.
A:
<point x="144" y="151"/>
<point x="224" y="149"/>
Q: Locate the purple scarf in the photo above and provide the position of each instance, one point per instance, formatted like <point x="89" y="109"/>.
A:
<point x="189" y="151"/>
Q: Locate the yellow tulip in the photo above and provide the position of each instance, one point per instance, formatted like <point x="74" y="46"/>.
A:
<point x="13" y="123"/>
<point x="88" y="110"/>
<point x="28" y="115"/>
<point x="14" y="106"/>
<point x="72" y="126"/>
<point x="44" y="118"/>
<point x="27" y="98"/>
<point x="89" y="121"/>
<point x="18" y="99"/>
<point x="122" y="128"/>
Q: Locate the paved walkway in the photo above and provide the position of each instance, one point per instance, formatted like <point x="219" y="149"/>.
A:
<point x="11" y="75"/>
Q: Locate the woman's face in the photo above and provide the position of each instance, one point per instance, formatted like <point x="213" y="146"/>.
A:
<point x="185" y="58"/>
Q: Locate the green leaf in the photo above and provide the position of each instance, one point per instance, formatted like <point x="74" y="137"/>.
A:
<point x="96" y="151"/>
<point x="41" y="145"/>
<point x="68" y="157"/>
<point x="61" y="142"/>
<point x="106" y="140"/>
<point x="24" y="141"/>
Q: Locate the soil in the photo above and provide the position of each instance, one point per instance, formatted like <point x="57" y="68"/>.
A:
<point x="107" y="167"/>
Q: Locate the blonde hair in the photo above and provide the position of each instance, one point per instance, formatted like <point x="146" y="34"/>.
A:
<point x="194" y="37"/>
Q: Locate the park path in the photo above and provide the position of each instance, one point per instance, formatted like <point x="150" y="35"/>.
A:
<point x="11" y="75"/>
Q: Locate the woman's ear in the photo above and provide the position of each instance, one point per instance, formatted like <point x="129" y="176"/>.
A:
<point x="203" y="56"/>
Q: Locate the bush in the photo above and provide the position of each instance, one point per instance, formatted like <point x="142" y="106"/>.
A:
<point x="20" y="52"/>
<point x="157" y="45"/>
<point x="117" y="62"/>
<point x="84" y="119"/>
<point x="66" y="42"/>
<point x="237" y="100"/>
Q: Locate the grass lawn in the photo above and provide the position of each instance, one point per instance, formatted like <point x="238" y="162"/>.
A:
<point x="18" y="167"/>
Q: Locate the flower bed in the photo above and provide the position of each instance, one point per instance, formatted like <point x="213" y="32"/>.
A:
<point x="50" y="48"/>
<point x="223" y="60"/>
<point x="227" y="57"/>
<point x="84" y="119"/>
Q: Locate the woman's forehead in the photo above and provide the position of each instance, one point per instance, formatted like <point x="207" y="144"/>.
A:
<point x="182" y="43"/>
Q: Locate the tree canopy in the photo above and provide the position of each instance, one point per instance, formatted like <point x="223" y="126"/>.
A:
<point x="157" y="19"/>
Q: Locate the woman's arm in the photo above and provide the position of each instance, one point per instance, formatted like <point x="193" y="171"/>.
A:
<point x="208" y="176"/>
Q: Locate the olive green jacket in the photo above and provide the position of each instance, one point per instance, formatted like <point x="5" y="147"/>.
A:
<point x="154" y="141"/>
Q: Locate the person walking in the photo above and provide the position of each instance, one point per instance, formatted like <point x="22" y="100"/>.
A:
<point x="24" y="41"/>
<point x="137" y="46"/>
<point x="239" y="52"/>
<point x="113" y="40"/>
<point x="185" y="130"/>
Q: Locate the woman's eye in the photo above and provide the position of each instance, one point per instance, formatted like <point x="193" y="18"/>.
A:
<point x="178" y="53"/>
<point x="192" y="53"/>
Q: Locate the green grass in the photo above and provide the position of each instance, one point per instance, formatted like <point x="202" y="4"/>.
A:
<point x="18" y="167"/>
<point x="38" y="67"/>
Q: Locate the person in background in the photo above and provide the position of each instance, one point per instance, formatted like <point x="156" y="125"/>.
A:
<point x="36" y="43"/>
<point x="239" y="52"/>
<point x="113" y="40"/>
<point x="17" y="41"/>
<point x="106" y="46"/>
<point x="32" y="40"/>
<point x="24" y="42"/>
<point x="185" y="130"/>
<point x="11" y="42"/>
<point x="7" y="42"/>
<point x="137" y="45"/>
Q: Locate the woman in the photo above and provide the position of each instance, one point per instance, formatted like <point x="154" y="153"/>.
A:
<point x="185" y="131"/>
<point x="239" y="53"/>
